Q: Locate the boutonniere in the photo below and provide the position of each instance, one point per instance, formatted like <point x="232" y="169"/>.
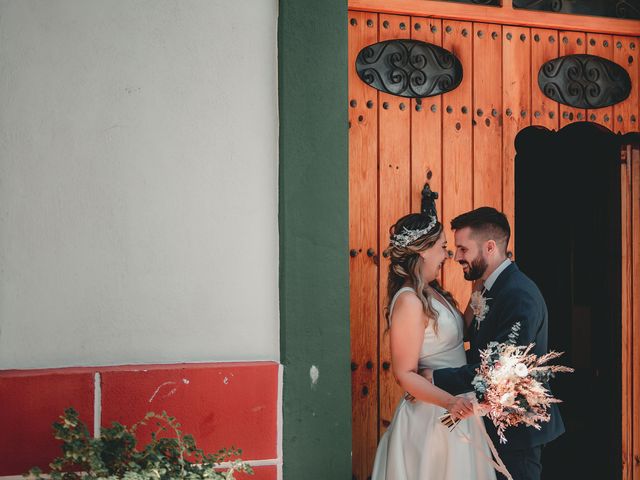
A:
<point x="479" y="306"/>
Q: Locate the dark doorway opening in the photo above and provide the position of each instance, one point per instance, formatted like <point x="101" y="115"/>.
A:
<point x="568" y="240"/>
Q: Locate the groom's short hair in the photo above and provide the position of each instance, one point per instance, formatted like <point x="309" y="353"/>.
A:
<point x="486" y="222"/>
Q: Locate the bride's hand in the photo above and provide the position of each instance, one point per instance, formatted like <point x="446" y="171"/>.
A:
<point x="460" y="407"/>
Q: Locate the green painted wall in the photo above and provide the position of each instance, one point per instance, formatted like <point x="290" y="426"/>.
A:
<point x="314" y="229"/>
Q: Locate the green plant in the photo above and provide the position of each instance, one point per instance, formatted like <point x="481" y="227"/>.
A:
<point x="115" y="456"/>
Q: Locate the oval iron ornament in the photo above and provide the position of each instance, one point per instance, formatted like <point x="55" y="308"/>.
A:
<point x="603" y="8"/>
<point x="409" y="68"/>
<point x="584" y="81"/>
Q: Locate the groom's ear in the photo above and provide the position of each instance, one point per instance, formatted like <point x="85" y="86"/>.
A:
<point x="491" y="246"/>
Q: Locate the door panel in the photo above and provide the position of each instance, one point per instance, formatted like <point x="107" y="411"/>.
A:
<point x="395" y="199"/>
<point x="457" y="147"/>
<point x="625" y="53"/>
<point x="516" y="114"/>
<point x="363" y="239"/>
<point x="543" y="48"/>
<point x="426" y="125"/>
<point x="487" y="106"/>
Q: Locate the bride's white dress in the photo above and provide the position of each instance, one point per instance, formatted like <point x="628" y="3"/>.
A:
<point x="416" y="446"/>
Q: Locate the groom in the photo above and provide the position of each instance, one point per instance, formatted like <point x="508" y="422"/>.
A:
<point x="481" y="238"/>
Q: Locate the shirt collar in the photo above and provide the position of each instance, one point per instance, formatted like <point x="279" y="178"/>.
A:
<point x="491" y="279"/>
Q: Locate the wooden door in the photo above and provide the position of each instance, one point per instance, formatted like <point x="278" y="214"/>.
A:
<point x="630" y="188"/>
<point x="462" y="143"/>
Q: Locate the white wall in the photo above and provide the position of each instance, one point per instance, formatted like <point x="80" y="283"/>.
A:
<point x="138" y="181"/>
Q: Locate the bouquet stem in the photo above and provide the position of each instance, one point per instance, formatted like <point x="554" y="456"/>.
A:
<point x="448" y="421"/>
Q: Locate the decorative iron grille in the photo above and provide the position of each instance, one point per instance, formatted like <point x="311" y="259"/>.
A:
<point x="409" y="68"/>
<point x="602" y="8"/>
<point x="584" y="81"/>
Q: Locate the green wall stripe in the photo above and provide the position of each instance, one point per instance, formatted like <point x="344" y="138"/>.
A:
<point x="314" y="230"/>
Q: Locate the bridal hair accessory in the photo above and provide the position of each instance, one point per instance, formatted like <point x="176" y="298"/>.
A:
<point x="408" y="236"/>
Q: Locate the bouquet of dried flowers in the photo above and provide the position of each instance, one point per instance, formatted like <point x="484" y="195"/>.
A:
<point x="511" y="385"/>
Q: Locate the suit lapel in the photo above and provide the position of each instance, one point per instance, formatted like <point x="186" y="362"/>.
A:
<point x="502" y="280"/>
<point x="492" y="295"/>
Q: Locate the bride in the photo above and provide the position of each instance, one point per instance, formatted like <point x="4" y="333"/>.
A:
<point x="426" y="331"/>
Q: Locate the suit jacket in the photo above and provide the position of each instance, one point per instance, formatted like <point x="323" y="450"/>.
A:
<point x="513" y="298"/>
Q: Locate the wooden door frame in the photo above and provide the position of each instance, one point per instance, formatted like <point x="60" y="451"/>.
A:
<point x="630" y="223"/>
<point x="634" y="457"/>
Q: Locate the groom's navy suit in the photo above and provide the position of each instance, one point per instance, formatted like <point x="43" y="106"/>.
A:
<point x="512" y="298"/>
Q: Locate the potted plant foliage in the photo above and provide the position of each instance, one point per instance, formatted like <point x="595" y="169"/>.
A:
<point x="117" y="455"/>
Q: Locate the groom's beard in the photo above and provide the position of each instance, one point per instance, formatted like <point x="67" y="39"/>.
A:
<point x="476" y="268"/>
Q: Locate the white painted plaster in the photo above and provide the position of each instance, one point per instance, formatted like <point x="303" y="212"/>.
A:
<point x="314" y="374"/>
<point x="97" y="405"/>
<point x="138" y="182"/>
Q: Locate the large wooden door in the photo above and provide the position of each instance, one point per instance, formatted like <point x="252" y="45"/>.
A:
<point x="462" y="143"/>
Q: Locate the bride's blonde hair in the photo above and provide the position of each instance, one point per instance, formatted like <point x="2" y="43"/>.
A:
<point x="406" y="266"/>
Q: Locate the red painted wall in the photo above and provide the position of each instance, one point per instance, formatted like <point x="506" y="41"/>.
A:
<point x="221" y="404"/>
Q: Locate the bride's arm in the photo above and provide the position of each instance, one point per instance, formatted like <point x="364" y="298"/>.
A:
<point x="407" y="335"/>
